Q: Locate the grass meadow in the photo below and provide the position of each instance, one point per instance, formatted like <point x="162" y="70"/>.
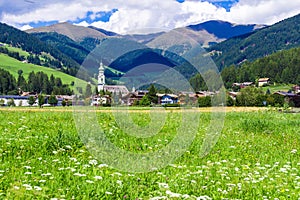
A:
<point x="256" y="157"/>
<point x="12" y="65"/>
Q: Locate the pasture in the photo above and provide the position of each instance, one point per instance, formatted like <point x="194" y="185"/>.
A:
<point x="42" y="156"/>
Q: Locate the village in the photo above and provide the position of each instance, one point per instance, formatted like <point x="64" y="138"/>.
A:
<point x="120" y="95"/>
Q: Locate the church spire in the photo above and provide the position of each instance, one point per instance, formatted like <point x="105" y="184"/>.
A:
<point x="101" y="77"/>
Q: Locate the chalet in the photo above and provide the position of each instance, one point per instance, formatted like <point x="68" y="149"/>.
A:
<point x="263" y="81"/>
<point x="205" y="93"/>
<point x="233" y="95"/>
<point x="18" y="100"/>
<point x="101" y="100"/>
<point x="131" y="97"/>
<point x="185" y="98"/>
<point x="290" y="98"/>
<point x="242" y="85"/>
<point x="164" y="99"/>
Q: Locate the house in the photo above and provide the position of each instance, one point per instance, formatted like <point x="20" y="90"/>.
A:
<point x="263" y="81"/>
<point x="18" y="100"/>
<point x="185" y="98"/>
<point x="164" y="99"/>
<point x="101" y="100"/>
<point x="131" y="97"/>
<point x="296" y="88"/>
<point x="233" y="95"/>
<point x="290" y="98"/>
<point x="242" y="85"/>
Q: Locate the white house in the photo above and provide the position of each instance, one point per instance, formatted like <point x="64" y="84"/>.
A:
<point x="18" y="100"/>
<point x="263" y="81"/>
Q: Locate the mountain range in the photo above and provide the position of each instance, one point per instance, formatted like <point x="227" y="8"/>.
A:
<point x="66" y="46"/>
<point x="204" y="33"/>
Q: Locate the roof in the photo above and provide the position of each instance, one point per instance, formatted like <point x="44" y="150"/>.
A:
<point x="116" y="88"/>
<point x="263" y="79"/>
<point x="286" y="94"/>
<point x="170" y="95"/>
<point x="14" y="97"/>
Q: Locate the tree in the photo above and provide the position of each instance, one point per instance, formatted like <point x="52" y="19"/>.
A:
<point x="11" y="102"/>
<point x="53" y="100"/>
<point x="41" y="100"/>
<point x="20" y="72"/>
<point x="31" y="100"/>
<point x="152" y="94"/>
<point x="198" y="83"/>
<point x="229" y="101"/>
<point x="88" y="90"/>
<point x="204" y="101"/>
<point x="145" y="101"/>
<point x="248" y="96"/>
<point x="2" y="102"/>
<point x="96" y="91"/>
<point x="21" y="82"/>
<point x="63" y="103"/>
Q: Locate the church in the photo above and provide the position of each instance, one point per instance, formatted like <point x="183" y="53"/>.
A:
<point x="114" y="89"/>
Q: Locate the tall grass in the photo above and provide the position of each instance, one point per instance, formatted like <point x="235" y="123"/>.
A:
<point x="256" y="157"/>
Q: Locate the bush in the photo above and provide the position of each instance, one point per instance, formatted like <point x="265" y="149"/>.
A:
<point x="11" y="102"/>
<point x="204" y="101"/>
<point x="172" y="105"/>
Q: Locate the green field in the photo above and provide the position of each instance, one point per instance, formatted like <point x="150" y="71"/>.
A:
<point x="278" y="87"/>
<point x="20" y="51"/>
<point x="12" y="65"/>
<point x="256" y="157"/>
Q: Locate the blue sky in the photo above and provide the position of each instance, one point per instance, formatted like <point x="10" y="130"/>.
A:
<point x="133" y="15"/>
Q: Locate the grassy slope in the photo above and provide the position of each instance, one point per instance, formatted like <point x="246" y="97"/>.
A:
<point x="20" y="51"/>
<point x="12" y="65"/>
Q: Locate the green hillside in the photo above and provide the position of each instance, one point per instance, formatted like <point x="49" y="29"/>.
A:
<point x="29" y="43"/>
<point x="280" y="36"/>
<point x="12" y="65"/>
<point x="18" y="50"/>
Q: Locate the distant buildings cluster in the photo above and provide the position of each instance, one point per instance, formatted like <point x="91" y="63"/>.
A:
<point x="119" y="94"/>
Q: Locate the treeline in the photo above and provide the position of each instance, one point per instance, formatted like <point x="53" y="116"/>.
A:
<point x="15" y="55"/>
<point x="65" y="45"/>
<point x="37" y="82"/>
<point x="281" y="36"/>
<point x="252" y="96"/>
<point x="281" y="67"/>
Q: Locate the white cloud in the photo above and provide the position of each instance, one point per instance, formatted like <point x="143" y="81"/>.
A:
<point x="25" y="27"/>
<point x="152" y="14"/>
<point x="263" y="11"/>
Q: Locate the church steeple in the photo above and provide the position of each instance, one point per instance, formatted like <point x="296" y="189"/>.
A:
<point x="101" y="77"/>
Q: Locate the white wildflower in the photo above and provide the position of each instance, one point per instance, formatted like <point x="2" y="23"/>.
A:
<point x="93" y="162"/>
<point x="163" y="185"/>
<point x="98" y="177"/>
<point x="172" y="194"/>
<point x="89" y="181"/>
<point x="37" y="188"/>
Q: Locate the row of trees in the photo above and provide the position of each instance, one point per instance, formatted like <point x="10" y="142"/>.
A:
<point x="36" y="82"/>
<point x="252" y="96"/>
